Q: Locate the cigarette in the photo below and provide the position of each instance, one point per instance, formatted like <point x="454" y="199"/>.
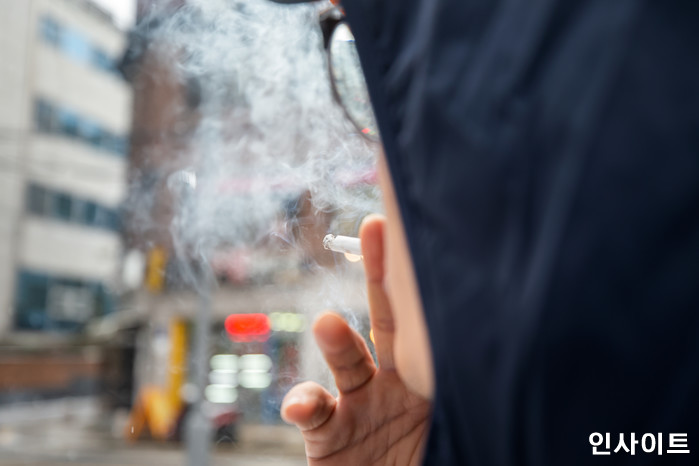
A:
<point x="345" y="244"/>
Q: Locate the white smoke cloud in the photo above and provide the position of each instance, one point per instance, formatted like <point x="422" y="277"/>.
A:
<point x="269" y="128"/>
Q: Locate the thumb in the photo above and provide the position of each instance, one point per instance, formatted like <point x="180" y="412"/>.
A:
<point x="308" y="406"/>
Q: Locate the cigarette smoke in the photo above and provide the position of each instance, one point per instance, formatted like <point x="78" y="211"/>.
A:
<point x="269" y="128"/>
<point x="267" y="131"/>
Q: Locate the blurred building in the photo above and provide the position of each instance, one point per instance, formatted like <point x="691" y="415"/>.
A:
<point x="64" y="131"/>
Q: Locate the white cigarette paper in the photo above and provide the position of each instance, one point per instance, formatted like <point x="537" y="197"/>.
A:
<point x="345" y="244"/>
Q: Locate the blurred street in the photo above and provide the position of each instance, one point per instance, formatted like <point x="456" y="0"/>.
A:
<point x="71" y="433"/>
<point x="164" y="201"/>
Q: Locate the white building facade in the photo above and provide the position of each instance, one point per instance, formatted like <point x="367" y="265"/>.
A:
<point x="64" y="129"/>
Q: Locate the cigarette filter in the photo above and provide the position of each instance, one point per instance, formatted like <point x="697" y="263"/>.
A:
<point x="345" y="244"/>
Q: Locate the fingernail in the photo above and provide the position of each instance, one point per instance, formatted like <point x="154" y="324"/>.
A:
<point x="325" y="334"/>
<point x="293" y="400"/>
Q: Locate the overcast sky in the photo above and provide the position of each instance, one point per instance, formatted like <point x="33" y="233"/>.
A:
<point x="124" y="11"/>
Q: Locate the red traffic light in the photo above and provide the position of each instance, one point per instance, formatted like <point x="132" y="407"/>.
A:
<point x="247" y="327"/>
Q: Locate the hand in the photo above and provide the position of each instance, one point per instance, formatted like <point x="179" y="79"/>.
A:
<point x="375" y="420"/>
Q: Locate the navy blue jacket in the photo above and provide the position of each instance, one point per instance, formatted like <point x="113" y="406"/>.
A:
<point x="545" y="156"/>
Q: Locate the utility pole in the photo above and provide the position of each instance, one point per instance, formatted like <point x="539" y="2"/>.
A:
<point x="198" y="424"/>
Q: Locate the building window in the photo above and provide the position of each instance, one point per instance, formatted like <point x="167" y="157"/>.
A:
<point x="90" y="132"/>
<point x="30" y="300"/>
<point x="50" y="118"/>
<point x="38" y="200"/>
<point x="90" y="213"/>
<point x="50" y="30"/>
<point x="101" y="217"/>
<point x="74" y="45"/>
<point x="63" y="206"/>
<point x="105" y="218"/>
<point x="78" y="211"/>
<point x="118" y="145"/>
<point x="46" y="302"/>
<point x="67" y="123"/>
<point x="101" y="60"/>
<point x="71" y="209"/>
<point x="69" y="302"/>
<point x="45" y="116"/>
<point x="113" y="220"/>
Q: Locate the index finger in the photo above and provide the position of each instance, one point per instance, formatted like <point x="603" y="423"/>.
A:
<point x="372" y="233"/>
<point x="345" y="351"/>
